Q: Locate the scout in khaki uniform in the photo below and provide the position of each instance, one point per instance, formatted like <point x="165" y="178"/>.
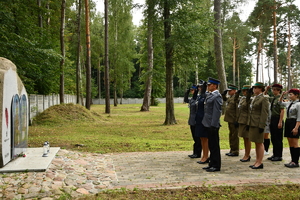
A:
<point x="292" y="124"/>
<point x="258" y="114"/>
<point x="276" y="122"/>
<point x="242" y="117"/>
<point x="231" y="119"/>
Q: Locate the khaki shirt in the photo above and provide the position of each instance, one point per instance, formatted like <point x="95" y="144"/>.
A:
<point x="243" y="110"/>
<point x="231" y="110"/>
<point x="258" y="111"/>
<point x="275" y="108"/>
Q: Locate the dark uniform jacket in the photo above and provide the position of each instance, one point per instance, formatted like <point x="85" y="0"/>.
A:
<point x="212" y="109"/>
<point x="258" y="111"/>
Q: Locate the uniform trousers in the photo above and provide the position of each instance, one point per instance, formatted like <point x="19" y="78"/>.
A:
<point x="197" y="147"/>
<point x="214" y="147"/>
<point x="234" y="140"/>
<point x="276" y="136"/>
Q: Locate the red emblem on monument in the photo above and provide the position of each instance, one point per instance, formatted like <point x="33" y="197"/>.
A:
<point x="6" y="117"/>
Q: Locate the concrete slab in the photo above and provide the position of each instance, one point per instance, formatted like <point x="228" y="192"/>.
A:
<point x="33" y="162"/>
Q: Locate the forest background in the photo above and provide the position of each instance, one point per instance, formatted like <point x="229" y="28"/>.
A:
<point x="54" y="43"/>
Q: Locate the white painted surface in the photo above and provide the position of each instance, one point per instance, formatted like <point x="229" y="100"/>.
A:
<point x="33" y="162"/>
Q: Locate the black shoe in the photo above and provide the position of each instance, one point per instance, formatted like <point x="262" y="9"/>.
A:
<point x="276" y="159"/>
<point x="251" y="166"/>
<point x="227" y="153"/>
<point x="247" y="160"/>
<point x="261" y="166"/>
<point x="195" y="156"/>
<point x="205" y="168"/>
<point x="190" y="155"/>
<point x="200" y="162"/>
<point x="270" y="158"/>
<point x="213" y="169"/>
<point x="291" y="165"/>
<point x="232" y="154"/>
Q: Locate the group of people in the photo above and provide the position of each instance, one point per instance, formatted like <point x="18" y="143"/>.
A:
<point x="251" y="113"/>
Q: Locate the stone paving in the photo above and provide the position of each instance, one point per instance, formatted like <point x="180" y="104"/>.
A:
<point x="76" y="174"/>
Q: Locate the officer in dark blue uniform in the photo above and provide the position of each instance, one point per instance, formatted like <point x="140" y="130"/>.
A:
<point x="211" y="121"/>
<point x="197" y="148"/>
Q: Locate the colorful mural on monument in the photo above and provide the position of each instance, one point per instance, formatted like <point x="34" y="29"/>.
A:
<point x="14" y="111"/>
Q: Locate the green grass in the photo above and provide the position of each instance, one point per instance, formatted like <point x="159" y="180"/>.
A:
<point x="263" y="192"/>
<point x="125" y="129"/>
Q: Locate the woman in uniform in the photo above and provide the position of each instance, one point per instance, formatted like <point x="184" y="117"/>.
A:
<point x="192" y="121"/>
<point x="258" y="114"/>
<point x="200" y="129"/>
<point x="242" y="119"/>
<point x="291" y="131"/>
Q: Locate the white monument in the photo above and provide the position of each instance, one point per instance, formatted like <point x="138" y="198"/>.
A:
<point x="14" y="113"/>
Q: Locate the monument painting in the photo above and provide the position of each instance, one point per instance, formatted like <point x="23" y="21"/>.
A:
<point x="13" y="109"/>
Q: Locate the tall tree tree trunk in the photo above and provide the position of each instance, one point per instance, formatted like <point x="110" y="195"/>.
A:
<point x="218" y="45"/>
<point x="170" y="117"/>
<point x="262" y="64"/>
<point x="238" y="74"/>
<point x="259" y="48"/>
<point x="148" y="86"/>
<point x="106" y="73"/>
<point x="48" y="8"/>
<point x="99" y="79"/>
<point x="289" y="56"/>
<point x="88" y="56"/>
<point x="275" y="43"/>
<point x="40" y="17"/>
<point x="62" y="48"/>
<point x="233" y="60"/>
<point x="78" y="67"/>
<point x="115" y="94"/>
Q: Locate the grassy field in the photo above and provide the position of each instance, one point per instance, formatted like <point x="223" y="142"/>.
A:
<point x="127" y="129"/>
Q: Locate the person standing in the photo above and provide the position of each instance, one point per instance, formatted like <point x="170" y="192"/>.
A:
<point x="258" y="114"/>
<point x="231" y="119"/>
<point x="242" y="117"/>
<point x="292" y="123"/>
<point x="276" y="123"/>
<point x="200" y="129"/>
<point x="192" y="120"/>
<point x="211" y="121"/>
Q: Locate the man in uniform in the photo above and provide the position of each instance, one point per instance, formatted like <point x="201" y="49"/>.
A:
<point x="276" y="122"/>
<point x="211" y="122"/>
<point x="231" y="119"/>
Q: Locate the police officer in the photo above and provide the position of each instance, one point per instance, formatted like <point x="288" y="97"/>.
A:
<point x="192" y="120"/>
<point x="211" y="121"/>
<point x="200" y="129"/>
<point x="258" y="114"/>
<point x="231" y="119"/>
<point x="276" y="122"/>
